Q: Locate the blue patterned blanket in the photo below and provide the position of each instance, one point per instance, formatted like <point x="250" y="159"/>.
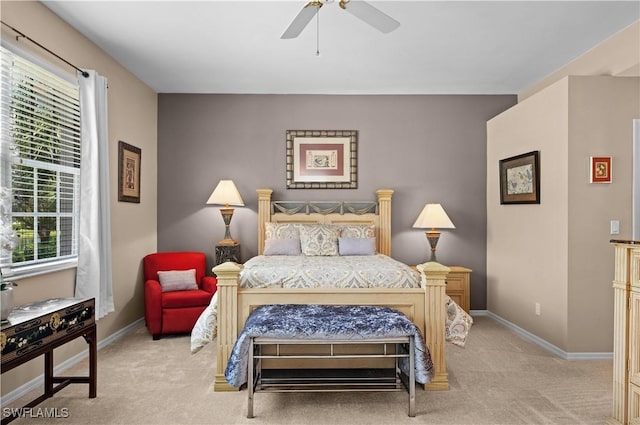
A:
<point x="293" y="321"/>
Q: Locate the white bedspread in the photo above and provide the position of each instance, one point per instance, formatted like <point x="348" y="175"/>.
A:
<point x="302" y="271"/>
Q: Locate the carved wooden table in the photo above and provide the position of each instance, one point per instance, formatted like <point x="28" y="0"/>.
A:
<point x="35" y="329"/>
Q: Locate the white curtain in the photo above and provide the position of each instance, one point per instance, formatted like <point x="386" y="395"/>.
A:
<point x="93" y="278"/>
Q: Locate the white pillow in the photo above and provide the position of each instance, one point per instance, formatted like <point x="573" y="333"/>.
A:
<point x="282" y="247"/>
<point x="319" y="239"/>
<point x="178" y="280"/>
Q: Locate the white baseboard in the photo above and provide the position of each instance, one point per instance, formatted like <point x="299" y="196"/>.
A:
<point x="545" y="344"/>
<point x="36" y="382"/>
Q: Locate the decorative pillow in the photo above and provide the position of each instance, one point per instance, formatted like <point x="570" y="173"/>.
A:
<point x="178" y="280"/>
<point x="358" y="231"/>
<point x="319" y="239"/>
<point x="281" y="230"/>
<point x="282" y="247"/>
<point x="357" y="246"/>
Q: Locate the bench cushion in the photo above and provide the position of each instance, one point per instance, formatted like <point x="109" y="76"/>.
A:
<point x="325" y="322"/>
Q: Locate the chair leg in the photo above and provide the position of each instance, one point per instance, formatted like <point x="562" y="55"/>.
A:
<point x="156" y="337"/>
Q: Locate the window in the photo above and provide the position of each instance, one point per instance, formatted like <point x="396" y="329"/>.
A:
<point x="40" y="118"/>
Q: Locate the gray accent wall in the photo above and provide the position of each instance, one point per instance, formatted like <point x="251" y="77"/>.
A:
<point x="427" y="148"/>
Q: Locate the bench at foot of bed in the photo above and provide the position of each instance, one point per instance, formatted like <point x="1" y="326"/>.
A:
<point x="331" y="380"/>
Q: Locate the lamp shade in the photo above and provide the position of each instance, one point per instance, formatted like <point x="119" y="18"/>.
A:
<point x="433" y="217"/>
<point x="226" y="193"/>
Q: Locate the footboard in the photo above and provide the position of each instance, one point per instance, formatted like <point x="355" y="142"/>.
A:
<point x="424" y="306"/>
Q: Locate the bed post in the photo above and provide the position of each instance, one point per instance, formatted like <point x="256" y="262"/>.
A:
<point x="264" y="215"/>
<point x="384" y="226"/>
<point x="433" y="280"/>
<point x="228" y="277"/>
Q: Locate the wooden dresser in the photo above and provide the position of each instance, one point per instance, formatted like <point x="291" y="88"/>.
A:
<point x="626" y="336"/>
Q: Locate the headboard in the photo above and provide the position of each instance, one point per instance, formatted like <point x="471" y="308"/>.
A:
<point x="377" y="212"/>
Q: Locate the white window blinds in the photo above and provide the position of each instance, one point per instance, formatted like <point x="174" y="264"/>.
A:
<point x="40" y="116"/>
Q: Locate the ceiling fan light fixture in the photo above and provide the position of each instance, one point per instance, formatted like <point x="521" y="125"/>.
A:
<point x="360" y="9"/>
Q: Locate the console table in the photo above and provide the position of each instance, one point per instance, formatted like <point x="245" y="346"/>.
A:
<point x="35" y="329"/>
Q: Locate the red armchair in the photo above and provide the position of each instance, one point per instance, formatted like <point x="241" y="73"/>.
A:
<point x="176" y="311"/>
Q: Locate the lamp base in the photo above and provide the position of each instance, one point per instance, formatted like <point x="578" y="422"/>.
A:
<point x="432" y="237"/>
<point x="227" y="213"/>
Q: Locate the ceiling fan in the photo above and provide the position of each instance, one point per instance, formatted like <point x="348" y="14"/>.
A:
<point x="360" y="9"/>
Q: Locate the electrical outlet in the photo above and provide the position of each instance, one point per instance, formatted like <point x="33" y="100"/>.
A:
<point x="537" y="309"/>
<point x="615" y="227"/>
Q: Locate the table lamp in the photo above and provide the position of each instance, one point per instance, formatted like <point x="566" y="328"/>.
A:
<point x="226" y="194"/>
<point x="433" y="217"/>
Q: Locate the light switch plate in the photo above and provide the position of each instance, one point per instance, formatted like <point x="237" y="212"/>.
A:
<point x="615" y="227"/>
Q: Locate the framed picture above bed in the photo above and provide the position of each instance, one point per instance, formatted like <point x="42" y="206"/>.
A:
<point x="520" y="179"/>
<point x="322" y="159"/>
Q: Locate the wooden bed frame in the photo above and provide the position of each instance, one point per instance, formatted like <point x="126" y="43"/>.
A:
<point x="425" y="306"/>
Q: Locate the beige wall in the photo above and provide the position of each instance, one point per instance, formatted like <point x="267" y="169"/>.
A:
<point x="527" y="244"/>
<point x="601" y="111"/>
<point x="558" y="253"/>
<point x="133" y="119"/>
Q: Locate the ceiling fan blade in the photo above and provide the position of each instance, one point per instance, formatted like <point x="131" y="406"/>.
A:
<point x="303" y="18"/>
<point x="369" y="14"/>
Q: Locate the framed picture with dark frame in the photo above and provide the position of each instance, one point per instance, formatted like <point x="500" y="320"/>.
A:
<point x="520" y="179"/>
<point x="129" y="161"/>
<point x="322" y="159"/>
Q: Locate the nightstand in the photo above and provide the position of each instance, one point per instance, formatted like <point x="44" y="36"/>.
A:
<point x="458" y="286"/>
<point x="227" y="253"/>
<point x="457" y="282"/>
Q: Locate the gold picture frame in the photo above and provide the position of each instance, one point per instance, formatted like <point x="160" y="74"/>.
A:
<point x="322" y="159"/>
<point x="129" y="162"/>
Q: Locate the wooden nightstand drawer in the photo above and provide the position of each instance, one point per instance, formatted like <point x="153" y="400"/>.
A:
<point x="455" y="283"/>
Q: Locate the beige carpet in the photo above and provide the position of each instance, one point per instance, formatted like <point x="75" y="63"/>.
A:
<point x="499" y="378"/>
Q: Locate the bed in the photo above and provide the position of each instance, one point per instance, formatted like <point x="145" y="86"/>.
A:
<point x="424" y="301"/>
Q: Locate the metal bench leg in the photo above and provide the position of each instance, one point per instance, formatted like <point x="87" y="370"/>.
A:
<point x="250" y="367"/>
<point x="412" y="378"/>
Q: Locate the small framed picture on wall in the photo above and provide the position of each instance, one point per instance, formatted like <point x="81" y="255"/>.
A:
<point x="600" y="169"/>
<point x="129" y="159"/>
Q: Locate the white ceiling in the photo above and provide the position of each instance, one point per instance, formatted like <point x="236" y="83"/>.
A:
<point x="445" y="47"/>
